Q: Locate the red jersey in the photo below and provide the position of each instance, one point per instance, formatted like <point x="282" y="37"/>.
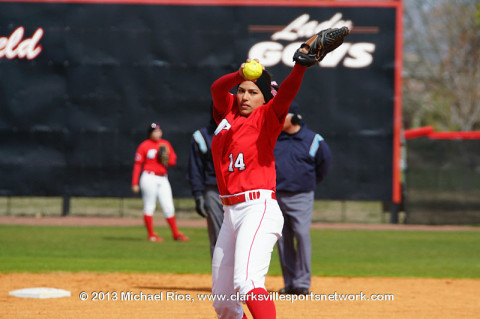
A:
<point x="242" y="147"/>
<point x="146" y="157"/>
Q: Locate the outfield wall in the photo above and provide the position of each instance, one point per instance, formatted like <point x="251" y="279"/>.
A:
<point x="82" y="79"/>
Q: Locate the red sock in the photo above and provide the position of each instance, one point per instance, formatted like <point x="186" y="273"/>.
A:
<point x="173" y="226"/>
<point x="149" y="224"/>
<point x="261" y="308"/>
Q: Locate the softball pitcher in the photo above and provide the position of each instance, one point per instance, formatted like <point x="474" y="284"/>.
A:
<point x="242" y="147"/>
<point x="152" y="159"/>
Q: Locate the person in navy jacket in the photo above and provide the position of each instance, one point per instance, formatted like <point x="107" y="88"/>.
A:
<point x="203" y="182"/>
<point x="302" y="160"/>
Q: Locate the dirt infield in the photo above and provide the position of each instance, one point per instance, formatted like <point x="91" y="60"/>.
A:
<point x="412" y="298"/>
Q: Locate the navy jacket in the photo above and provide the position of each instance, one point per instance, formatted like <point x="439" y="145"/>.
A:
<point x="302" y="160"/>
<point x="201" y="171"/>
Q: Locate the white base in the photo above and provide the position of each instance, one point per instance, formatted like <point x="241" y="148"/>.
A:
<point x="41" y="293"/>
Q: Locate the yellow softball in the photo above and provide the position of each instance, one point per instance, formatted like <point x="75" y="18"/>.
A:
<point x="252" y="70"/>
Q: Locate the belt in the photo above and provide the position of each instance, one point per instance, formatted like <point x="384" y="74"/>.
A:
<point x="246" y="197"/>
<point x="153" y="173"/>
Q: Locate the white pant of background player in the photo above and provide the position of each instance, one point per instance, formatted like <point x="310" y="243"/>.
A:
<point x="244" y="249"/>
<point x="156" y="187"/>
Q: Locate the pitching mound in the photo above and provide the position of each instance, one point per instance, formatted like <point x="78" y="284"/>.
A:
<point x="179" y="296"/>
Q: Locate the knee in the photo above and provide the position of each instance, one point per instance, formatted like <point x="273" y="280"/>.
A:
<point x="228" y="309"/>
<point x="148" y="211"/>
<point x="168" y="211"/>
<point x="245" y="286"/>
<point x="169" y="214"/>
<point x="149" y="207"/>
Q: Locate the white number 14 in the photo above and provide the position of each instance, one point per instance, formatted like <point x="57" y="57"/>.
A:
<point x="239" y="163"/>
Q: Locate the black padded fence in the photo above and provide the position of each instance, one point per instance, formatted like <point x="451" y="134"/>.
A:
<point x="443" y="181"/>
<point x="73" y="111"/>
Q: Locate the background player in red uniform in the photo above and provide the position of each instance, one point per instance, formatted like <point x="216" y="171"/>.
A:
<point x="242" y="147"/>
<point x="153" y="157"/>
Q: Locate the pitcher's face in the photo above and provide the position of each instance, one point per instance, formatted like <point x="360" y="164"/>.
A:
<point x="249" y="97"/>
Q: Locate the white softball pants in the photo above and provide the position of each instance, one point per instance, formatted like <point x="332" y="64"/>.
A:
<point x="243" y="251"/>
<point x="156" y="187"/>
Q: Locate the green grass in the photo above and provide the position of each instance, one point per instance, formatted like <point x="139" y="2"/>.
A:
<point x="396" y="254"/>
<point x="100" y="249"/>
<point x="335" y="252"/>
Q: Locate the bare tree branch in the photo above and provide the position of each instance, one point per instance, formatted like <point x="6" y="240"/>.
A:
<point x="442" y="62"/>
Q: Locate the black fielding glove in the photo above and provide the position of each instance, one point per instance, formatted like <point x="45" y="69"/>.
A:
<point x="162" y="155"/>
<point x="304" y="59"/>
<point x="317" y="47"/>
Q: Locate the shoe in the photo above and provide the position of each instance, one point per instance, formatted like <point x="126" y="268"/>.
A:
<point x="326" y="41"/>
<point x="155" y="238"/>
<point x="301" y="291"/>
<point x="181" y="237"/>
<point x="286" y="291"/>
